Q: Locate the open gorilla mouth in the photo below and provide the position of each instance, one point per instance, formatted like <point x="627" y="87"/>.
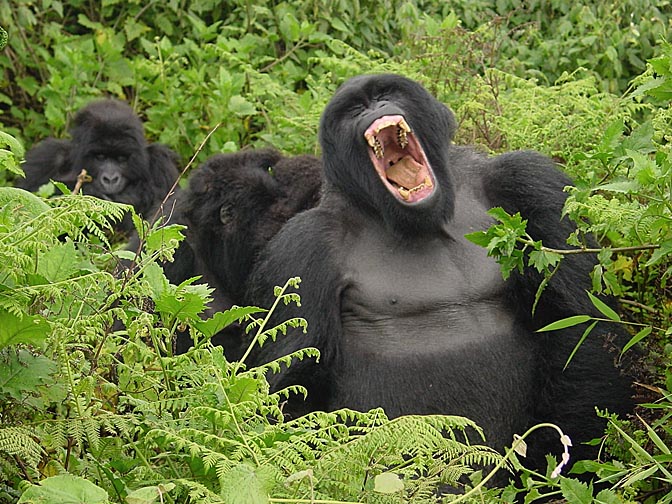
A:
<point x="399" y="159"/>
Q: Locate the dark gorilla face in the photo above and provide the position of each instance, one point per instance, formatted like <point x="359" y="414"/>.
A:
<point x="237" y="202"/>
<point x="228" y="197"/>
<point x="109" y="143"/>
<point x="385" y="143"/>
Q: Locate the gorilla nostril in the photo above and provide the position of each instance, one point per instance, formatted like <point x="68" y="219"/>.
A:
<point x="111" y="179"/>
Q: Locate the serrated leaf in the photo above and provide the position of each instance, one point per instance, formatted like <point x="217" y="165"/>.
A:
<point x="607" y="496"/>
<point x="31" y="330"/>
<point x="480" y="238"/>
<point x="158" y="283"/>
<point x="164" y="236"/>
<point x="59" y="262"/>
<point x="603" y="308"/>
<point x="22" y="372"/>
<point x="576" y="492"/>
<point x="244" y="483"/>
<point x="565" y="323"/>
<point x="183" y="305"/>
<point x="542" y="259"/>
<point x="388" y="483"/>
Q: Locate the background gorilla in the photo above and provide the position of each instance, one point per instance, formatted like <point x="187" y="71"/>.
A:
<point x="234" y="204"/>
<point x="407" y="313"/>
<point x="108" y="141"/>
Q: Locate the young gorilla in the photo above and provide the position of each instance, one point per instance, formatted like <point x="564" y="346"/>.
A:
<point x="234" y="204"/>
<point x="108" y="141"/>
<point x="407" y="313"/>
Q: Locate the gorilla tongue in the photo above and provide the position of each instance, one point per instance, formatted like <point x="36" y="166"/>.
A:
<point x="405" y="173"/>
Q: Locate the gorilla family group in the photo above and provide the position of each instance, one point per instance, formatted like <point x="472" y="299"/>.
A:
<point x="407" y="313"/>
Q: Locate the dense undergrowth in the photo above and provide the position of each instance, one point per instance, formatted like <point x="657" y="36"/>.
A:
<point x="93" y="413"/>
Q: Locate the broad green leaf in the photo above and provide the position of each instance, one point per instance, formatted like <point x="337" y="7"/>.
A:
<point x="565" y="323"/>
<point x="241" y="107"/>
<point x="153" y="274"/>
<point x="542" y="259"/>
<point x="26" y="203"/>
<point x="480" y="238"/>
<point x="660" y="253"/>
<point x="607" y="496"/>
<point x="388" y="483"/>
<point x="59" y="262"/>
<point x="622" y="186"/>
<point x="244" y="483"/>
<point x="64" y="489"/>
<point x="576" y="492"/>
<point x="164" y="236"/>
<point x="182" y="304"/>
<point x="22" y="372"/>
<point x="149" y="495"/>
<point x="603" y="308"/>
<point x="290" y="27"/>
<point x="28" y="329"/>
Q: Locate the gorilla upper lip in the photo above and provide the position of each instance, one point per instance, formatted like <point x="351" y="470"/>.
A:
<point x="399" y="159"/>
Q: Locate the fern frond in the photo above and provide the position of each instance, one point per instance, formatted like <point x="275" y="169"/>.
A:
<point x="20" y="442"/>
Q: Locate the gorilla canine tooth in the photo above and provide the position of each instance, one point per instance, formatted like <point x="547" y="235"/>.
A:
<point x="404" y="193"/>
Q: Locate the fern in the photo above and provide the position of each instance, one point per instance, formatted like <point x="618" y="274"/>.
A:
<point x="20" y="442"/>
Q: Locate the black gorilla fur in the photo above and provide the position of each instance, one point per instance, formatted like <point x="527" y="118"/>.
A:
<point x="407" y="313"/>
<point x="234" y="204"/>
<point x="108" y="141"/>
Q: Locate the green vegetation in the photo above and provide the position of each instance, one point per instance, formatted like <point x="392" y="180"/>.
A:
<point x="90" y="412"/>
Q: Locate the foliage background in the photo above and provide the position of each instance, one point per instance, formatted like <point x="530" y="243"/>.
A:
<point x="80" y="398"/>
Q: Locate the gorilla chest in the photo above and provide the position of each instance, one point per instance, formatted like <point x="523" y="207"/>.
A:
<point x="435" y="292"/>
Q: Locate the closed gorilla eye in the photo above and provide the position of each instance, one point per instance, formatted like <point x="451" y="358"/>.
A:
<point x="100" y="156"/>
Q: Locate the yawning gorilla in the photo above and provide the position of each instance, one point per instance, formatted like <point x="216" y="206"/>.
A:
<point x="407" y="313"/>
<point x="234" y="204"/>
<point x="108" y="141"/>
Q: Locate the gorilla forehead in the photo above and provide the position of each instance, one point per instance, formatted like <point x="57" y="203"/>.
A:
<point x="380" y="94"/>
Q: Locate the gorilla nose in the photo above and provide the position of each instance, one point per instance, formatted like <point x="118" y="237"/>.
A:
<point x="112" y="181"/>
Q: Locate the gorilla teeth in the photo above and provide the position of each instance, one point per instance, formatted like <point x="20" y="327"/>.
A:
<point x="402" y="139"/>
<point x="377" y="146"/>
<point x="406" y="193"/>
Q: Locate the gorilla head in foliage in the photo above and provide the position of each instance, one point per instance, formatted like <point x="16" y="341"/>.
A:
<point x="108" y="141"/>
<point x="235" y="203"/>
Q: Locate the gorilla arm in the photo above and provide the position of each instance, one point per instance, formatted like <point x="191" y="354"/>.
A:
<point x="50" y="159"/>
<point x="529" y="183"/>
<point x="302" y="248"/>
